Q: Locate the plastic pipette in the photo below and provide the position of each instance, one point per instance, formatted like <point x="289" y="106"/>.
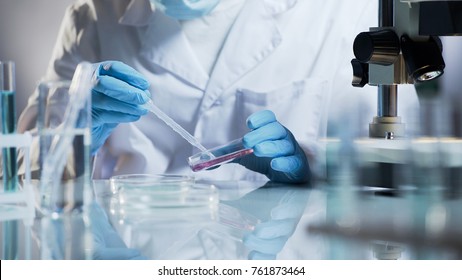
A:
<point x="176" y="127"/>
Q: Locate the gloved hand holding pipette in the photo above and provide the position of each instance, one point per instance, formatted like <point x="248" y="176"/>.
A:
<point x="121" y="95"/>
<point x="116" y="98"/>
<point x="276" y="153"/>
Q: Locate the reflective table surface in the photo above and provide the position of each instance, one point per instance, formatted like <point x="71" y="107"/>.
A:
<point x="264" y="220"/>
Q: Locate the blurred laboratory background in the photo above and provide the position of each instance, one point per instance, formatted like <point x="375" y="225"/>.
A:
<point x="30" y="28"/>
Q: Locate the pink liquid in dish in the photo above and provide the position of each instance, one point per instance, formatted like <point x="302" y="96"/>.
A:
<point x="220" y="160"/>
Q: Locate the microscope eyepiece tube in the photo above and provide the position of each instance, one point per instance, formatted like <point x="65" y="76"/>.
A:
<point x="386" y="10"/>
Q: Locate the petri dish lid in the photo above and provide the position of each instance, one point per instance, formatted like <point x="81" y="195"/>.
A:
<point x="196" y="199"/>
<point x="153" y="183"/>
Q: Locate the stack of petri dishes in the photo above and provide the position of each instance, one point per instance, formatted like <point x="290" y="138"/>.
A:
<point x="146" y="196"/>
<point x="161" y="214"/>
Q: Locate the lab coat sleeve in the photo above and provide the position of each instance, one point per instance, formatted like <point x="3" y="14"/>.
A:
<point x="76" y="42"/>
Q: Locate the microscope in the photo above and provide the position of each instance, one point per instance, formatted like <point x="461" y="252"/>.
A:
<point x="397" y="184"/>
<point x="403" y="49"/>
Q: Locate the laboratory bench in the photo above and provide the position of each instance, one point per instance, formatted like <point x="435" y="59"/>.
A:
<point x="257" y="220"/>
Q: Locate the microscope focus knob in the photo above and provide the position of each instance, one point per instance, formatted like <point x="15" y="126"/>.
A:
<point x="360" y="73"/>
<point x="377" y="47"/>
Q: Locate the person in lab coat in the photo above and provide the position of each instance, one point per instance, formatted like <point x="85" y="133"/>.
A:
<point x="209" y="65"/>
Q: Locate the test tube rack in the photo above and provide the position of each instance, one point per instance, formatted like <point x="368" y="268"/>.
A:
<point x="19" y="205"/>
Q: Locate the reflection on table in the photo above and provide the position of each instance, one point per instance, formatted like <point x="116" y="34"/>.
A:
<point x="259" y="220"/>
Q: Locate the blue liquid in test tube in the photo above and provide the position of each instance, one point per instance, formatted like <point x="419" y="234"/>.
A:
<point x="10" y="165"/>
<point x="7" y="90"/>
<point x="10" y="168"/>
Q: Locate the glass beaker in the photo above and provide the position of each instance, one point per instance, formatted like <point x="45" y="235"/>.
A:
<point x="65" y="182"/>
<point x="74" y="159"/>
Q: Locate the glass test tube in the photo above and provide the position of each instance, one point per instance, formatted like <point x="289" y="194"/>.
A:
<point x="8" y="91"/>
<point x="10" y="165"/>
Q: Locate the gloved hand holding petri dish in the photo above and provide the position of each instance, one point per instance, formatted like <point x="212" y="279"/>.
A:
<point x="268" y="148"/>
<point x="218" y="155"/>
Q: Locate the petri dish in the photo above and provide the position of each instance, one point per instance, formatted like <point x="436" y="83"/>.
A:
<point x="194" y="200"/>
<point x="152" y="183"/>
<point x="222" y="154"/>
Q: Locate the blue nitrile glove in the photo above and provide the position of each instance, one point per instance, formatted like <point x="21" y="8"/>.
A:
<point x="117" y="97"/>
<point x="107" y="243"/>
<point x="276" y="152"/>
<point x="269" y="237"/>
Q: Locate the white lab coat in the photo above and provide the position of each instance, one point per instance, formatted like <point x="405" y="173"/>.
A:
<point x="289" y="56"/>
